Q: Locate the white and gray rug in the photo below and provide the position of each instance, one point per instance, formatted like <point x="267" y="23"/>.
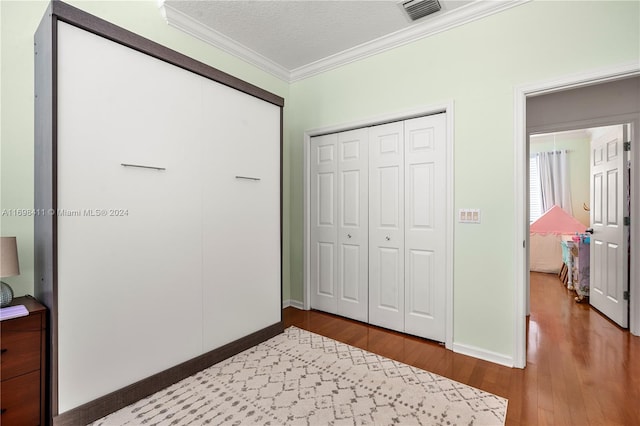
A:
<point x="301" y="378"/>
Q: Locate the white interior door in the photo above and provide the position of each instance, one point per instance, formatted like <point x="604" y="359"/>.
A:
<point x="386" y="225"/>
<point x="377" y="241"/>
<point x="353" y="228"/>
<point x="323" y="223"/>
<point x="609" y="244"/>
<point x="425" y="226"/>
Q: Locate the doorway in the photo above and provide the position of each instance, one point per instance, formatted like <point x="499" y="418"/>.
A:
<point x="579" y="197"/>
<point x="598" y="98"/>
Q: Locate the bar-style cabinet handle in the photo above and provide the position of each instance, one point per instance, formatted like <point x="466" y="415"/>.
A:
<point x="247" y="178"/>
<point x="143" y="167"/>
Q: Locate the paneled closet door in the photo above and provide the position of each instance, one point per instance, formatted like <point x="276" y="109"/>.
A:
<point x="353" y="230"/>
<point x="386" y="226"/>
<point x="324" y="223"/>
<point x="425" y="222"/>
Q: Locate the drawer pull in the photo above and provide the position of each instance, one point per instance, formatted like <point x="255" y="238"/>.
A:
<point x="247" y="178"/>
<point x="3" y="351"/>
<point x="2" y="411"/>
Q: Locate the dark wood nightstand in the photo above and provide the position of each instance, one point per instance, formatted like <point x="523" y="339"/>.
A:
<point x="22" y="361"/>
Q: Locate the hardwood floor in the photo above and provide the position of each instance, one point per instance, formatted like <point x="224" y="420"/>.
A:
<point x="582" y="369"/>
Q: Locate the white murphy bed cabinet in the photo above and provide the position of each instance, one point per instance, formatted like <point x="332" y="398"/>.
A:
<point x="164" y="254"/>
<point x="377" y="225"/>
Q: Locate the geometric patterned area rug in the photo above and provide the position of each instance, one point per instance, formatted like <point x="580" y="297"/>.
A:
<point x="302" y="378"/>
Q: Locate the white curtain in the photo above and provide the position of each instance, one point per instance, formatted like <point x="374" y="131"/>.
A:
<point x="554" y="180"/>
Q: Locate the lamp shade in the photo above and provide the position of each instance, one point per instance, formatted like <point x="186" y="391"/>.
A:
<point x="9" y="257"/>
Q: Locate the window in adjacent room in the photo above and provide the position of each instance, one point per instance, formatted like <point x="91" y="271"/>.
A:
<point x="535" y="194"/>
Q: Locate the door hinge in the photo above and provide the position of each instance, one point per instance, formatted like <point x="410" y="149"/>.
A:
<point x="625" y="295"/>
<point x="627" y="146"/>
<point x="627" y="221"/>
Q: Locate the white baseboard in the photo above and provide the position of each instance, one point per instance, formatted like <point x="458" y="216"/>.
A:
<point x="483" y="354"/>
<point x="292" y="303"/>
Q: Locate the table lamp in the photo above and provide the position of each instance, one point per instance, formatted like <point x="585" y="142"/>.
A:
<point x="9" y="267"/>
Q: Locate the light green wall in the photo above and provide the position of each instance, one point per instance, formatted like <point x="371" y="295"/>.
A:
<point x="578" y="159"/>
<point x="16" y="133"/>
<point x="477" y="65"/>
<point x="19" y="20"/>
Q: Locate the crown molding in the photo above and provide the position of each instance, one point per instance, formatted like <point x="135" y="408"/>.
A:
<point x="454" y="18"/>
<point x="183" y="22"/>
<point x="446" y="21"/>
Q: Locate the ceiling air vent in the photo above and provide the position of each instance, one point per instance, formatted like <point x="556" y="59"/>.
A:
<point x="417" y="9"/>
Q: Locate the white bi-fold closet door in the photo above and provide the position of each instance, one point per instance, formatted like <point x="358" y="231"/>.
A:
<point x="385" y="244"/>
<point x="339" y="229"/>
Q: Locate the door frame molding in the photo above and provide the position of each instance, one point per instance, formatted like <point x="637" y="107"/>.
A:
<point x="446" y="107"/>
<point x="521" y="234"/>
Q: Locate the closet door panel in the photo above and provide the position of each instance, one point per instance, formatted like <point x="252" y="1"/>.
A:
<point x="241" y="214"/>
<point x="419" y="217"/>
<point x="419" y="278"/>
<point x="126" y="236"/>
<point x="390" y="271"/>
<point x="386" y="226"/>
<point x="353" y="229"/>
<point x="425" y="170"/>
<point x="350" y="275"/>
<point x="324" y="223"/>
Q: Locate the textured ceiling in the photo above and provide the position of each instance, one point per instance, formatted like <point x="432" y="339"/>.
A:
<point x="297" y="33"/>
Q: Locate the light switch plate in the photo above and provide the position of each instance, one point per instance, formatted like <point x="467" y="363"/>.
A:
<point x="469" y="215"/>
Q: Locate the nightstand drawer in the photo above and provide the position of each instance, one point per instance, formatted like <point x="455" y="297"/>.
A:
<point x="22" y="366"/>
<point x="20" y="352"/>
<point x="20" y="400"/>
